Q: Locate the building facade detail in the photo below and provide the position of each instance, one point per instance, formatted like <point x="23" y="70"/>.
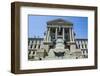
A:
<point x="58" y="43"/>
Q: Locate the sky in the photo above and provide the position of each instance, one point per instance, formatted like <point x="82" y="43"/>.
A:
<point x="37" y="25"/>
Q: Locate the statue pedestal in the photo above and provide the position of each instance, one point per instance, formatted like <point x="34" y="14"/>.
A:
<point x="59" y="50"/>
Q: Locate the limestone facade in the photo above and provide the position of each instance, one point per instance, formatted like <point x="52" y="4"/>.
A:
<point x="58" y="42"/>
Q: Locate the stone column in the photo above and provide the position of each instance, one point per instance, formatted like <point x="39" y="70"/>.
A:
<point x="70" y="33"/>
<point x="37" y="45"/>
<point x="30" y="43"/>
<point x="80" y="43"/>
<point x="33" y="44"/>
<point x="83" y="44"/>
<point x="63" y="33"/>
<point x="45" y="36"/>
<point x="48" y="34"/>
<point x="56" y="34"/>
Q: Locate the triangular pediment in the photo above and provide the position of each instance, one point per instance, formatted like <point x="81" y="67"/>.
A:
<point x="59" y="22"/>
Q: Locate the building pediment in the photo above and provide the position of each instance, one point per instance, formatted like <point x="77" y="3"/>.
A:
<point x="59" y="22"/>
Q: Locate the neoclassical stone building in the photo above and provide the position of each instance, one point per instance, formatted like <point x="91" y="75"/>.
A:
<point x="58" y="43"/>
